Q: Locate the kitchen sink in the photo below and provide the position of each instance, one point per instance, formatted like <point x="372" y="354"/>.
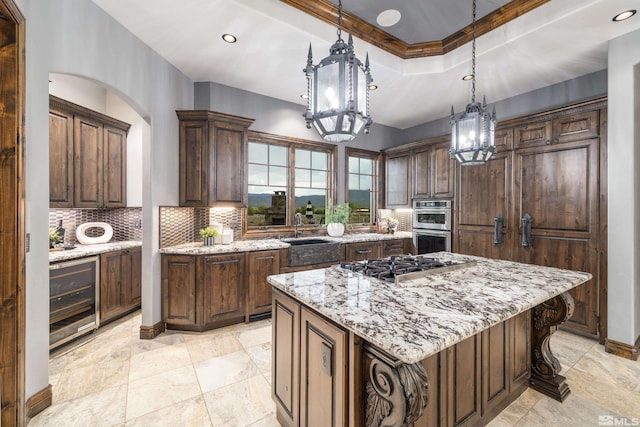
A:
<point x="313" y="251"/>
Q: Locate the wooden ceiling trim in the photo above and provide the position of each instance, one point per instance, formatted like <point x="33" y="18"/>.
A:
<point x="328" y="12"/>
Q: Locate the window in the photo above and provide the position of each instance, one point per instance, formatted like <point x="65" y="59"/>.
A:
<point x="279" y="167"/>
<point x="361" y="185"/>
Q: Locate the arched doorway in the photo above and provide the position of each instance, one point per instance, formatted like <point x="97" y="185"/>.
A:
<point x="12" y="206"/>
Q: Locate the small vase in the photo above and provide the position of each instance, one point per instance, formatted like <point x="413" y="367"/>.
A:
<point x="392" y="229"/>
<point x="209" y="241"/>
<point x="335" y="229"/>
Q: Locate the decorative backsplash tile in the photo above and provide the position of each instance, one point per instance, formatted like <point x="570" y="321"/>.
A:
<point x="405" y="216"/>
<point x="180" y="225"/>
<point x="126" y="222"/>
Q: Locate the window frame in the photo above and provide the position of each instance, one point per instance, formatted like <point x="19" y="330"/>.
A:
<point x="291" y="143"/>
<point x="376" y="157"/>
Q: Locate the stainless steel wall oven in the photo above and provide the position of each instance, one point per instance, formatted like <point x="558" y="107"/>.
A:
<point x="432" y="226"/>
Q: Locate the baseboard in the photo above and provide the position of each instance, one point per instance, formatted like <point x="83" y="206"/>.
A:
<point x="39" y="401"/>
<point x="150" y="332"/>
<point x="623" y="350"/>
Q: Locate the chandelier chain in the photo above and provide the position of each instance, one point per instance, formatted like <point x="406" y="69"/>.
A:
<point x="473" y="54"/>
<point x="340" y="19"/>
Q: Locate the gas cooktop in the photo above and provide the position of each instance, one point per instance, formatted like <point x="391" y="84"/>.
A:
<point x="398" y="267"/>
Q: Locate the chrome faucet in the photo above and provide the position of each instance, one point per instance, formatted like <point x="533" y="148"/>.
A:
<point x="296" y="223"/>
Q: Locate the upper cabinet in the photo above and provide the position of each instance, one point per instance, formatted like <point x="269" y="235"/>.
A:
<point x="212" y="159"/>
<point x="564" y="128"/>
<point x="87" y="157"/>
<point x="397" y="182"/>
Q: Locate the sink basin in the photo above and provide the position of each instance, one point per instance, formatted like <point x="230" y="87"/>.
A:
<point x="313" y="251"/>
<point x="299" y="242"/>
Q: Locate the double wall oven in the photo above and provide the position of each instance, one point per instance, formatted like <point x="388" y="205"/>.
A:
<point x="432" y="226"/>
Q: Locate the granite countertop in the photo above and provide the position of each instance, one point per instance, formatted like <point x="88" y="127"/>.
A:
<point x="81" y="251"/>
<point x="198" y="248"/>
<point x="424" y="316"/>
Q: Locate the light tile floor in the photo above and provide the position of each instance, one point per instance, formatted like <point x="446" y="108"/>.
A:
<point x="222" y="378"/>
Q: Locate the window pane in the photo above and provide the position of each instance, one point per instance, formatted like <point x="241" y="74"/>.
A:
<point x="365" y="182"/>
<point x="354" y="181"/>
<point x="303" y="158"/>
<point x="366" y="166"/>
<point x="318" y="199"/>
<point x="318" y="179"/>
<point x="277" y="176"/>
<point x="303" y="178"/>
<point x="267" y="206"/>
<point x="258" y="175"/>
<point x="278" y="155"/>
<point x="258" y="153"/>
<point x="319" y="160"/>
<point x="360" y="203"/>
<point x="353" y="165"/>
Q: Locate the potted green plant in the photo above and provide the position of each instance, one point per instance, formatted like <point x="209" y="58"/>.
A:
<point x="208" y="235"/>
<point x="336" y="219"/>
<point x="54" y="237"/>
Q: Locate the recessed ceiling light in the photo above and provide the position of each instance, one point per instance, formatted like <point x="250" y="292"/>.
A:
<point x="229" y="38"/>
<point x="388" y="18"/>
<point x="624" y="15"/>
<point x="373" y="87"/>
<point x="467" y="77"/>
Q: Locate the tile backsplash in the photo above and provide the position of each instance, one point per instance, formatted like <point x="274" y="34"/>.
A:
<point x="180" y="225"/>
<point x="126" y="222"/>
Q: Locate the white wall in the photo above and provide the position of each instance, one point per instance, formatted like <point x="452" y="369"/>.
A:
<point x="76" y="37"/>
<point x="624" y="189"/>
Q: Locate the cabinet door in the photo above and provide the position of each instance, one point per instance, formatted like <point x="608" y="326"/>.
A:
<point x="179" y="290"/>
<point x="115" y="168"/>
<point x="533" y="135"/>
<point x="442" y="172"/>
<point x="112" y="292"/>
<point x="60" y="159"/>
<point x="398" y="168"/>
<point x="465" y="382"/>
<point x="88" y="163"/>
<point x="323" y="372"/>
<point x="520" y="350"/>
<point x="221" y="290"/>
<point x="133" y="289"/>
<point x="482" y="194"/>
<point x="395" y="247"/>
<point x="229" y="167"/>
<point x="496" y="356"/>
<point x="421" y="172"/>
<point x="363" y="251"/>
<point x="286" y="358"/>
<point x="557" y="186"/>
<point x="261" y="265"/>
<point x="194" y="163"/>
<point x="575" y="127"/>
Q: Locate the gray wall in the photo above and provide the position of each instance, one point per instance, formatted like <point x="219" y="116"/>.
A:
<point x="77" y="37"/>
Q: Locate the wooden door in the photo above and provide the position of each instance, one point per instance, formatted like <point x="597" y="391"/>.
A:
<point x="88" y="163"/>
<point x="112" y="285"/>
<point x="323" y="372"/>
<point x="194" y="163"/>
<point x="133" y="289"/>
<point x="442" y="172"/>
<point x="179" y="290"/>
<point x="60" y="159"/>
<point x="115" y="168"/>
<point x="557" y="186"/>
<point x="397" y="181"/>
<point x="286" y="358"/>
<point x="229" y="188"/>
<point x="421" y="158"/>
<point x="261" y="265"/>
<point x="482" y="194"/>
<point x="221" y="289"/>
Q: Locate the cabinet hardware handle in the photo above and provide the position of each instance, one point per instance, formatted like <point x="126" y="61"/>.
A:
<point x="498" y="221"/>
<point x="526" y="231"/>
<point x="363" y="251"/>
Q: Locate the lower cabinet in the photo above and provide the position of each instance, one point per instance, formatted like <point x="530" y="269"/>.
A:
<point x="202" y="292"/>
<point x="362" y="251"/>
<point x="120" y="283"/>
<point x="397" y="247"/>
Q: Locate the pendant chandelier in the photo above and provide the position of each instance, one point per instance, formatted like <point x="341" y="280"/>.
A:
<point x="338" y="91"/>
<point x="473" y="133"/>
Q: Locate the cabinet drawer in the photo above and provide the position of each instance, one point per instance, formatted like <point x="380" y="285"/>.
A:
<point x="364" y="250"/>
<point x="393" y="247"/>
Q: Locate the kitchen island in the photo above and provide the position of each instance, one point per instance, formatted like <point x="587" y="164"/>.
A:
<point x="451" y="348"/>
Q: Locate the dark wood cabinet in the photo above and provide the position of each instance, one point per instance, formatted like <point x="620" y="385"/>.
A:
<point x="398" y="180"/>
<point x="362" y="251"/>
<point x="285" y="383"/>
<point x="212" y="159"/>
<point x="323" y="372"/>
<point x="120" y="283"/>
<point x="396" y="247"/>
<point x="261" y="265"/>
<point x="179" y="290"/>
<point x="441" y="171"/>
<point x="533" y="134"/>
<point x="87" y="157"/>
<point x="220" y="290"/>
